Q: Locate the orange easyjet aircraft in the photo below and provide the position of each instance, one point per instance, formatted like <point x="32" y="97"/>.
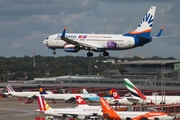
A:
<point x="109" y="113"/>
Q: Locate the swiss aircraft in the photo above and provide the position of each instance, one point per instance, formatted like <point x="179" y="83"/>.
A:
<point x="156" y="99"/>
<point x="109" y="113"/>
<point x="82" y="104"/>
<point x="74" y="42"/>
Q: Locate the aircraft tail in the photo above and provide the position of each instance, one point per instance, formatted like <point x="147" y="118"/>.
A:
<point x="9" y="88"/>
<point x="115" y="94"/>
<point x="145" y="27"/>
<point x="85" y="91"/>
<point x="43" y="106"/>
<point x="133" y="89"/>
<point x="41" y="90"/>
<point x="108" y="112"/>
<point x="80" y="101"/>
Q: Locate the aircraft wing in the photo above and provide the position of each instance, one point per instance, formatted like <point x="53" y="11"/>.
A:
<point x="74" y="113"/>
<point x="133" y="100"/>
<point x="78" y="43"/>
<point x="82" y="45"/>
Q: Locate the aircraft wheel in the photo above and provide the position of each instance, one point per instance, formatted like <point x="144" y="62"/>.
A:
<point x="143" y="118"/>
<point x="89" y="54"/>
<point x="105" y="54"/>
<point x="54" y="52"/>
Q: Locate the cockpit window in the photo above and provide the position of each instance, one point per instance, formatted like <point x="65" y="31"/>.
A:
<point x="47" y="38"/>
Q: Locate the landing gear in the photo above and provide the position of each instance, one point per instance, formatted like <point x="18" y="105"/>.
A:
<point x="54" y="52"/>
<point x="105" y="54"/>
<point x="89" y="54"/>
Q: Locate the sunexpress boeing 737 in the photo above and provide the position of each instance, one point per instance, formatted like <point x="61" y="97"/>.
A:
<point x="74" y="42"/>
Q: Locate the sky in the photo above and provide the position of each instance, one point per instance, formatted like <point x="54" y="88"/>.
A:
<point x="24" y="24"/>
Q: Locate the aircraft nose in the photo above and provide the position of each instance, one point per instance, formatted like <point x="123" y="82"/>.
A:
<point x="45" y="42"/>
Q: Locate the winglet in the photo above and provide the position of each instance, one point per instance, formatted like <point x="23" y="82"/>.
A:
<point x="108" y="112"/>
<point x="64" y="32"/>
<point x="160" y="32"/>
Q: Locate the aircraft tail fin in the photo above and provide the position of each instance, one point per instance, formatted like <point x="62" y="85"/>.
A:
<point x="80" y="101"/>
<point x="9" y="88"/>
<point x="108" y="112"/>
<point x="115" y="94"/>
<point x="133" y="89"/>
<point x="41" y="90"/>
<point x="85" y="91"/>
<point x="43" y="106"/>
<point x="145" y="27"/>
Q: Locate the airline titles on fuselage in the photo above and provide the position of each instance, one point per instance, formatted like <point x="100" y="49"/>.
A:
<point x="82" y="36"/>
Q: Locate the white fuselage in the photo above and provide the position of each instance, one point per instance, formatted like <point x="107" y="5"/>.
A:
<point x="167" y="99"/>
<point x="101" y="41"/>
<point x="26" y="94"/>
<point x="120" y="101"/>
<point x="78" y="111"/>
<point x="65" y="96"/>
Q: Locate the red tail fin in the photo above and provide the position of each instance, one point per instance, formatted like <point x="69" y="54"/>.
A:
<point x="115" y="94"/>
<point x="80" y="100"/>
<point x="43" y="106"/>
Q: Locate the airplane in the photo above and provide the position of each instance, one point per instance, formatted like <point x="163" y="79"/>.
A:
<point x="121" y="100"/>
<point x="68" y="97"/>
<point x="24" y="94"/>
<point x="131" y="100"/>
<point x="82" y="104"/>
<point x="77" y="112"/>
<point x="156" y="99"/>
<point x="109" y="113"/>
<point x="74" y="42"/>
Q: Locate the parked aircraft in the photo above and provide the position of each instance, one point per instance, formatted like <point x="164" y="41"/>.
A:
<point x="74" y="42"/>
<point x="120" y="100"/>
<point x="68" y="97"/>
<point x="24" y="94"/>
<point x="156" y="99"/>
<point x="109" y="113"/>
<point x="77" y="112"/>
<point x="82" y="104"/>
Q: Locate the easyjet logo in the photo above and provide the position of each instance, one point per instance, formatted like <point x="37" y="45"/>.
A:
<point x="105" y="104"/>
<point x="154" y="114"/>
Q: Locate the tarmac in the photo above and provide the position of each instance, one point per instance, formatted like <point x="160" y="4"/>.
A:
<point x="13" y="109"/>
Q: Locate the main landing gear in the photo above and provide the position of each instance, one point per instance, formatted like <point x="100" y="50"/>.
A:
<point x="105" y="54"/>
<point x="54" y="51"/>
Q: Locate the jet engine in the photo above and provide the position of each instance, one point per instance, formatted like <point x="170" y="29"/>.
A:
<point x="81" y="117"/>
<point x="147" y="101"/>
<point x="71" y="48"/>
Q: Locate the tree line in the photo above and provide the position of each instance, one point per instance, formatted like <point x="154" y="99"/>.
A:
<point x="24" y="68"/>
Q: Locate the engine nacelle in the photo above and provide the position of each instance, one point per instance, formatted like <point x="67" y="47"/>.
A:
<point x="81" y="117"/>
<point x="147" y="101"/>
<point x="71" y="48"/>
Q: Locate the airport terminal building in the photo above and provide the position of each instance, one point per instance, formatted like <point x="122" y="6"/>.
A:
<point x="168" y="70"/>
<point x="145" y="74"/>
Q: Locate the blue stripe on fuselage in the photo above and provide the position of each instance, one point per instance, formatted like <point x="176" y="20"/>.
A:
<point x="140" y="41"/>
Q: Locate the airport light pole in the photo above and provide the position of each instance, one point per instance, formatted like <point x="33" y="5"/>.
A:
<point x="162" y="85"/>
